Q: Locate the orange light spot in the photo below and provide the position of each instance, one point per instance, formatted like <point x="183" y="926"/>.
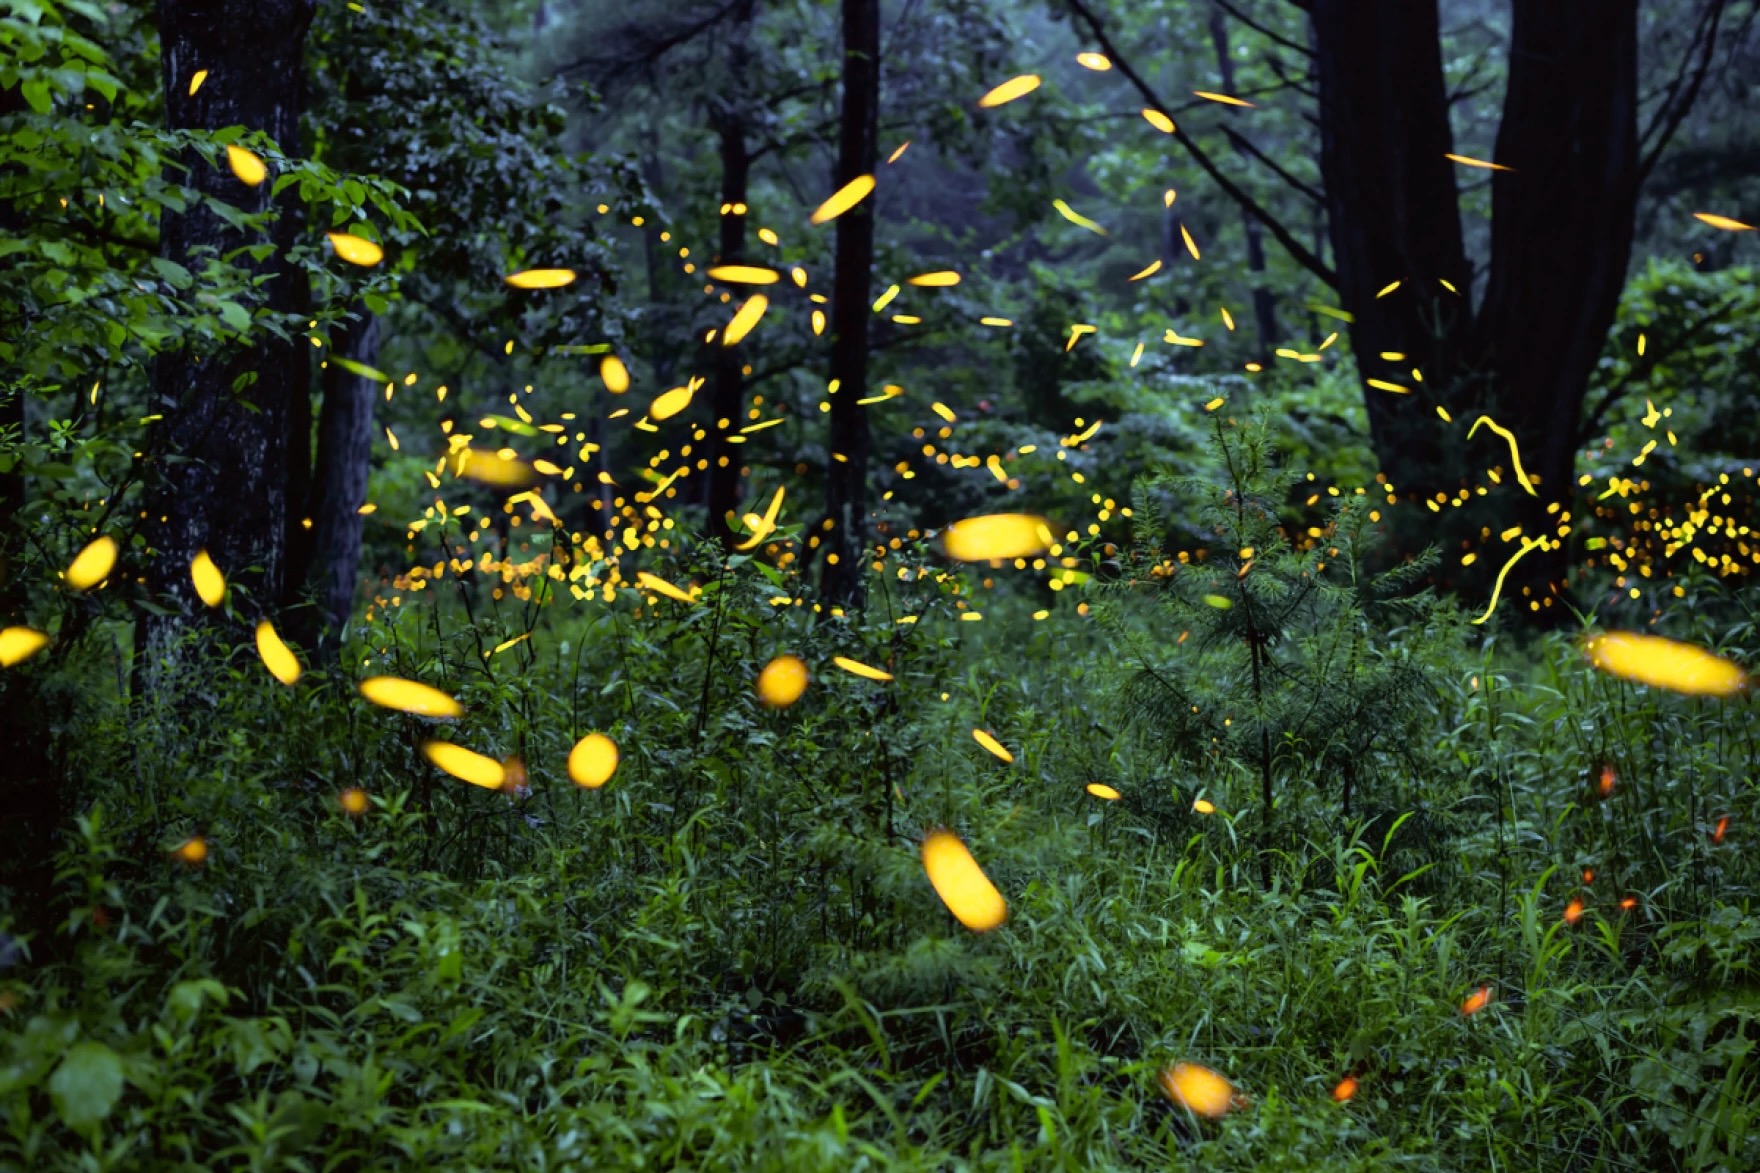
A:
<point x="1722" y="826"/>
<point x="193" y="850"/>
<point x="353" y="800"/>
<point x="1573" y="912"/>
<point x="782" y="681"/>
<point x="1606" y="784"/>
<point x="1198" y="1089"/>
<point x="1477" y="1000"/>
<point x="1347" y="1087"/>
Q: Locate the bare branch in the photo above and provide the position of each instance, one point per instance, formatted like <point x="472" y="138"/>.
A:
<point x="1297" y="84"/>
<point x="1282" y="235"/>
<point x="1671" y="113"/>
<point x="648" y="49"/>
<point x="1243" y="145"/>
<point x="1243" y="18"/>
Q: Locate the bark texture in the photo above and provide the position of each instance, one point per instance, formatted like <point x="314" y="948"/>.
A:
<point x="220" y="469"/>
<point x="846" y="473"/>
<point x="339" y="486"/>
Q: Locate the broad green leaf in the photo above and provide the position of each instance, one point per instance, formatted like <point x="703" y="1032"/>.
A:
<point x="86" y="1085"/>
<point x="235" y="315"/>
<point x="36" y="92"/>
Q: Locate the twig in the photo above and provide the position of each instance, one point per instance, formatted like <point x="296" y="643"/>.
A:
<point x="1670" y="115"/>
<point x="1282" y="235"/>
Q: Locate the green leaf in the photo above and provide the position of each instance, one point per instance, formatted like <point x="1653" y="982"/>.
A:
<point x="86" y="1086"/>
<point x="235" y="315"/>
<point x="186" y="998"/>
<point x="36" y="92"/>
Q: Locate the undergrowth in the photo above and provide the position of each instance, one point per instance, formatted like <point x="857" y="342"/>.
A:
<point x="729" y="957"/>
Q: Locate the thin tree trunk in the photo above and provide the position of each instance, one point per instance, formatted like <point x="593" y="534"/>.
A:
<point x="339" y="484"/>
<point x="219" y="480"/>
<point x="846" y="473"/>
<point x="727" y="396"/>
<point x="728" y="388"/>
<point x="12" y="483"/>
<point x="1264" y="300"/>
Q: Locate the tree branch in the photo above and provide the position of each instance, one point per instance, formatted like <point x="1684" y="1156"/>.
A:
<point x="1242" y="144"/>
<point x="647" y="52"/>
<point x="1243" y="18"/>
<point x="1671" y="114"/>
<point x="1282" y="235"/>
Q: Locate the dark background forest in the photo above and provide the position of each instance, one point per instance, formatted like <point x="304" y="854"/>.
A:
<point x="879" y="584"/>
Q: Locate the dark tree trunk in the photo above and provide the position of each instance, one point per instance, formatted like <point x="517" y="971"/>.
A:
<point x="727" y="393"/>
<point x="1264" y="300"/>
<point x="296" y="528"/>
<point x="727" y="398"/>
<point x="12" y="422"/>
<point x="1561" y="240"/>
<point x="1392" y="212"/>
<point x="846" y="473"/>
<point x="220" y="475"/>
<point x="339" y="486"/>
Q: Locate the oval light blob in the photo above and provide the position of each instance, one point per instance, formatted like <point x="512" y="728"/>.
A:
<point x="356" y="250"/>
<point x="1198" y="1089"/>
<point x="465" y="764"/>
<point x="209" y="582"/>
<point x="541" y="278"/>
<point x="248" y="166"/>
<point x="592" y="761"/>
<point x="783" y="681"/>
<point x="18" y="644"/>
<point x="282" y="664"/>
<point x="997" y="536"/>
<point x="1663" y="663"/>
<point x="409" y="696"/>
<point x="93" y="564"/>
<point x="961" y="883"/>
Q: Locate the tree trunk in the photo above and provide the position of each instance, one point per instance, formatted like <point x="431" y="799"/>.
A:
<point x="1561" y="239"/>
<point x="1392" y="212"/>
<point x="727" y="395"/>
<point x="339" y="485"/>
<point x="727" y="398"/>
<point x="219" y="475"/>
<point x="1264" y="300"/>
<point x="846" y="472"/>
<point x="1560" y="243"/>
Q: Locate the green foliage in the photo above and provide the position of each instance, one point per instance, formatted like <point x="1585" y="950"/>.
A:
<point x="1675" y="442"/>
<point x="729" y="955"/>
<point x="1267" y="662"/>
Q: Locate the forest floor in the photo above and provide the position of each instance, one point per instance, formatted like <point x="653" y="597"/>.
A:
<point x="283" y="940"/>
